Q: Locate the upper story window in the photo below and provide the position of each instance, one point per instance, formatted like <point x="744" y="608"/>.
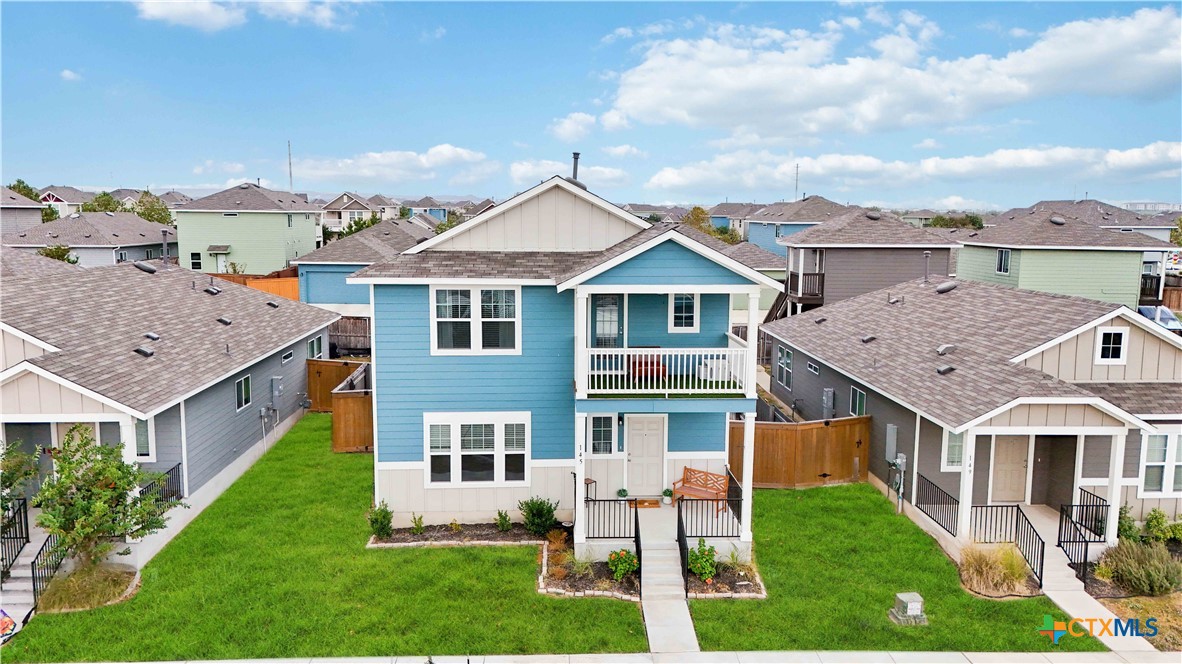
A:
<point x="1163" y="465"/>
<point x="195" y="260"/>
<point x="683" y="312"/>
<point x="150" y="253"/>
<point x="857" y="402"/>
<point x="1112" y="345"/>
<point x="289" y="221"/>
<point x="813" y="368"/>
<point x="784" y="367"/>
<point x="476" y="448"/>
<point x="1003" y="262"/>
<point x="490" y="325"/>
<point x="356" y="215"/>
<point x="242" y="392"/>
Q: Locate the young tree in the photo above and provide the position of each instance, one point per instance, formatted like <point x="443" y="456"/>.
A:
<point x="699" y="218"/>
<point x="404" y="212"/>
<point x="453" y="219"/>
<point x="1176" y="232"/>
<point x="153" y="209"/>
<point x="653" y="218"/>
<point x="49" y="213"/>
<point x="360" y="224"/>
<point x="93" y="499"/>
<point x="16" y="468"/>
<point x="59" y="252"/>
<point x="104" y="202"/>
<point x="25" y="189"/>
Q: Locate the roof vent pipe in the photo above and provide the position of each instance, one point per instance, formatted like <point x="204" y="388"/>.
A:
<point x="575" y="167"/>
<point x="927" y="259"/>
<point x="164" y="245"/>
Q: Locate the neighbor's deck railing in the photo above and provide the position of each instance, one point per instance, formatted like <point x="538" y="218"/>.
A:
<point x="936" y="503"/>
<point x="666" y="370"/>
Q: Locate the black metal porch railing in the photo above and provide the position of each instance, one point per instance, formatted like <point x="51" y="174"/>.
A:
<point x="1091" y="514"/>
<point x="639" y="551"/>
<point x="14" y="534"/>
<point x="707" y="517"/>
<point x="168" y="489"/>
<point x="612" y="518"/>
<point x="734" y="495"/>
<point x="936" y="503"/>
<point x="1074" y="542"/>
<point x="991" y="524"/>
<point x="682" y="549"/>
<point x="45" y="564"/>
<point x="1149" y="286"/>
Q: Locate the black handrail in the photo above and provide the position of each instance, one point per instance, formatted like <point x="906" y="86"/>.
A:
<point x="936" y="503"/>
<point x="991" y="524"/>
<point x="168" y="489"/>
<point x="1091" y="514"/>
<point x="734" y="495"/>
<point x="45" y="564"/>
<point x="708" y="517"/>
<point x="608" y="518"/>
<point x="1030" y="544"/>
<point x="14" y="534"/>
<point x="1074" y="542"/>
<point x="639" y="552"/>
<point x="682" y="548"/>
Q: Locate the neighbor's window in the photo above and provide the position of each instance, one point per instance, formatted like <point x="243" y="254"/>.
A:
<point x="603" y="434"/>
<point x="683" y="312"/>
<point x="1163" y="464"/>
<point x="496" y="321"/>
<point x="468" y="448"/>
<point x="813" y="368"/>
<point x="1111" y="345"/>
<point x="857" y="402"/>
<point x="289" y="221"/>
<point x="784" y="367"/>
<point x="121" y="257"/>
<point x="952" y="455"/>
<point x="150" y="254"/>
<point x="1003" y="261"/>
<point x="356" y="215"/>
<point x="315" y="348"/>
<point x="242" y="392"/>
<point x="287" y="357"/>
<point x="195" y="260"/>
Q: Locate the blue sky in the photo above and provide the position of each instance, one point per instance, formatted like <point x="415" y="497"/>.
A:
<point x="901" y="104"/>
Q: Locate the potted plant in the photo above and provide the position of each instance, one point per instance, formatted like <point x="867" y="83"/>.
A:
<point x="667" y="496"/>
<point x="622" y="493"/>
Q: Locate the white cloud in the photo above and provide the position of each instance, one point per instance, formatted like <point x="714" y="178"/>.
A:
<point x="211" y="166"/>
<point x="928" y="144"/>
<point x="321" y="14"/>
<point x="625" y="151"/>
<point x="898" y="86"/>
<point x="1020" y="33"/>
<point x="573" y="127"/>
<point x="532" y="171"/>
<point x="476" y="174"/>
<point x="388" y="165"/>
<point x="70" y="75"/>
<point x="649" y="30"/>
<point x="433" y="35"/>
<point x="200" y="14"/>
<point x="876" y="14"/>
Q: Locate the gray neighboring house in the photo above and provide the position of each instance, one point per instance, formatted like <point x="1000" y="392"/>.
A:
<point x="387" y="207"/>
<point x="186" y="374"/>
<point x="1097" y="213"/>
<point x="17" y="263"/>
<point x="997" y="396"/>
<point x="66" y="199"/>
<point x="17" y="212"/>
<point x="478" y="208"/>
<point x="346" y="208"/>
<point x="98" y="238"/>
<point x="855" y="252"/>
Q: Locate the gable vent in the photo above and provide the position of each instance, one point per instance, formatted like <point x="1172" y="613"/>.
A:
<point x="152" y="335"/>
<point x="146" y="352"/>
<point x="944" y="349"/>
<point x="224" y="321"/>
<point x="945" y="370"/>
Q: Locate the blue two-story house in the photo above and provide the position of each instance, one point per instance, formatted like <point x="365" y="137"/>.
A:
<point x="557" y="346"/>
<point x="766" y="225"/>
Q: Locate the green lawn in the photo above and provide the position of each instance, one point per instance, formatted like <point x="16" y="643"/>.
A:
<point x="277" y="568"/>
<point x="833" y="559"/>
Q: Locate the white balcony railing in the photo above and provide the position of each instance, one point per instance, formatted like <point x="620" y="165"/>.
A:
<point x="659" y="371"/>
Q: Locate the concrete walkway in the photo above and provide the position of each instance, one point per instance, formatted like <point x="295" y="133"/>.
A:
<point x="756" y="657"/>
<point x="666" y="613"/>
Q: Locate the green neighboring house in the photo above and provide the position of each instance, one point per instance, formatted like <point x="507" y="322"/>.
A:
<point x="1048" y="252"/>
<point x="257" y="229"/>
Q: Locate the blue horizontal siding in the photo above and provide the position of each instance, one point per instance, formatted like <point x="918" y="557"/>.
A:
<point x="410" y="381"/>
<point x="721" y="221"/>
<point x="325" y="284"/>
<point x="669" y="263"/>
<point x="648" y="322"/>
<point x="697" y="432"/>
<point x="764" y="235"/>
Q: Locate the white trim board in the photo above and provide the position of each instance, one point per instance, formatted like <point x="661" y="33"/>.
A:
<point x="1120" y="310"/>
<point x="25" y="336"/>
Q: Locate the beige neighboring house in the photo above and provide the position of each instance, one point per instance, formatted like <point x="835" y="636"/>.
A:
<point x="128" y="197"/>
<point x="919" y="218"/>
<point x="387" y="207"/>
<point x="345" y="208"/>
<point x="67" y="200"/>
<point x="99" y="238"/>
<point x="478" y="208"/>
<point x="18" y="213"/>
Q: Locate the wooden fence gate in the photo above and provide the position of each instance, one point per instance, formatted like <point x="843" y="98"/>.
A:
<point x="806" y="454"/>
<point x="323" y="377"/>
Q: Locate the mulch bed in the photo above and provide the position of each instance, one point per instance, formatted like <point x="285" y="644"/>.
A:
<point x="469" y="532"/>
<point x="727" y="580"/>
<point x="599" y="578"/>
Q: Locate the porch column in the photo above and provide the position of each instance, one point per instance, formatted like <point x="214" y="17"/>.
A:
<point x="752" y="344"/>
<point x="964" y="515"/>
<point x="1161" y="276"/>
<point x="580" y="345"/>
<point x="748" y="474"/>
<point x="579" y="515"/>
<point x="1116" y="463"/>
<point x="127" y="439"/>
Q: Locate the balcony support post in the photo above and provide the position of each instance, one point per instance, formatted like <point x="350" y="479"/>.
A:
<point x="581" y="345"/>
<point x="751" y="360"/>
<point x="748" y="475"/>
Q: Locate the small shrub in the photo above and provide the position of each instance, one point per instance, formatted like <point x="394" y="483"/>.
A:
<point x="735" y="561"/>
<point x="580" y="566"/>
<point x="701" y="561"/>
<point x="668" y="493"/>
<point x="622" y="493"/>
<point x="1143" y="568"/>
<point x="557" y="539"/>
<point x="1102" y="572"/>
<point x="558" y="572"/>
<point x="622" y="563"/>
<point x="380" y="521"/>
<point x="992" y="571"/>
<point x="1126" y="526"/>
<point x="1012" y="563"/>
<point x="503" y="523"/>
<point x="1155" y="525"/>
<point x="416" y="524"/>
<point x="537" y="515"/>
<point x="455" y="526"/>
<point x="1174" y="533"/>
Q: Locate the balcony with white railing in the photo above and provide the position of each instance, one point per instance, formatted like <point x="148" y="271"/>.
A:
<point x="660" y="372"/>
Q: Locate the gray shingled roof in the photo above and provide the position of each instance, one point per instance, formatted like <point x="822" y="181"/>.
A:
<point x="425" y="219"/>
<point x="813" y="209"/>
<point x="755" y="256"/>
<point x="901" y="361"/>
<point x="382" y="201"/>
<point x="858" y="226"/>
<point x="9" y="198"/>
<point x="69" y="194"/>
<point x="478" y="264"/>
<point x="383" y="241"/>
<point x="477" y="208"/>
<point x="735" y="210"/>
<point x="1141" y="398"/>
<point x="354" y="197"/>
<point x="424" y="202"/>
<point x="99" y="316"/>
<point x="174" y="198"/>
<point x="1097" y="213"/>
<point x="248" y="196"/>
<point x="99" y="229"/>
<point x="1038" y="228"/>
<point x="18" y="263"/>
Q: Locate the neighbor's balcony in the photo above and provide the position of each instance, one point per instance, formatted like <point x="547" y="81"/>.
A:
<point x="806" y="287"/>
<point x="660" y="372"/>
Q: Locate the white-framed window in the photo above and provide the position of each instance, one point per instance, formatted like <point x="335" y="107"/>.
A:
<point x="195" y="260"/>
<point x="288" y="356"/>
<point x="475" y="321"/>
<point x="145" y="440"/>
<point x="784" y="367"/>
<point x="684" y="312"/>
<point x="478" y="449"/>
<point x="952" y="452"/>
<point x="121" y="257"/>
<point x="356" y="215"/>
<point x="1112" y="345"/>
<point x="602" y="435"/>
<point x="1162" y="465"/>
<point x="289" y="221"/>
<point x="315" y="347"/>
<point x="1003" y="262"/>
<point x="242" y="392"/>
<point x="150" y="253"/>
<point x="857" y="402"/>
<point x="813" y="368"/>
<point x="229" y="214"/>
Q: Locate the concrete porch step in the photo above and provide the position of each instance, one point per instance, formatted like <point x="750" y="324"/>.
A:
<point x="17" y="597"/>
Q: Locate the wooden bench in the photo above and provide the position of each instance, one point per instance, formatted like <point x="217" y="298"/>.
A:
<point x="696" y="483"/>
<point x="645" y="365"/>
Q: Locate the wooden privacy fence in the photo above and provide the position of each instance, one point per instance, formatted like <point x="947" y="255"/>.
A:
<point x="323" y="377"/>
<point x="805" y="454"/>
<point x="288" y="287"/>
<point x="349" y="334"/>
<point x="352" y="413"/>
<point x="1172" y="298"/>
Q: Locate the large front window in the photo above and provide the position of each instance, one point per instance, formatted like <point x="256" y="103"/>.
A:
<point x="490" y="325"/>
<point x="1163" y="465"/>
<point x="476" y="448"/>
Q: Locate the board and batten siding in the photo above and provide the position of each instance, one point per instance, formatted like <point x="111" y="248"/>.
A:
<point x="30" y="394"/>
<point x="555" y="220"/>
<point x="325" y="284"/>
<point x="1053" y="415"/>
<point x="648" y="322"/>
<point x="14" y="349"/>
<point x="1150" y="358"/>
<point x="217" y="433"/>
<point x="1108" y="276"/>
<point x="853" y="272"/>
<point x="410" y="381"/>
<point x="980" y="264"/>
<point x="669" y="263"/>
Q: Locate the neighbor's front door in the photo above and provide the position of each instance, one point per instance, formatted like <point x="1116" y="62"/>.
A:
<point x="221" y="263"/>
<point x="1009" y="468"/>
<point x="646" y="454"/>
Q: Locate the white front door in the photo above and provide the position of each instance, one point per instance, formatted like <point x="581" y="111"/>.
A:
<point x="221" y="262"/>
<point x="646" y="454"/>
<point x="1009" y="468"/>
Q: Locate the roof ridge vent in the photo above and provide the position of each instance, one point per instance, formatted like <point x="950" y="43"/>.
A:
<point x="944" y="349"/>
<point x="144" y="351"/>
<point x="945" y="370"/>
<point x="224" y="321"/>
